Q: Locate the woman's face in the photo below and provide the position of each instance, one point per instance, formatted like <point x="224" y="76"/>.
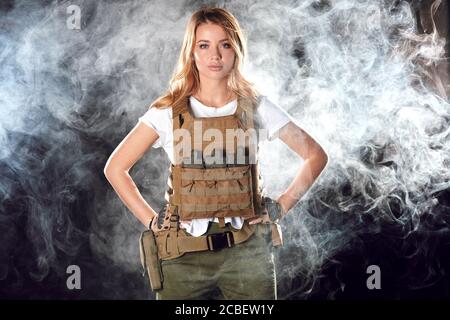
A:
<point x="213" y="53"/>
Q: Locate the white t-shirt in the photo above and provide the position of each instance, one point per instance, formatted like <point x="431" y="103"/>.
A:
<point x="268" y="116"/>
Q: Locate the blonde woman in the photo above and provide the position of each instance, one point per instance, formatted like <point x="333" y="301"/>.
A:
<point x="215" y="236"/>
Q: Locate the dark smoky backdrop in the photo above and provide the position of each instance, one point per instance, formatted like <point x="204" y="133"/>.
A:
<point x="368" y="79"/>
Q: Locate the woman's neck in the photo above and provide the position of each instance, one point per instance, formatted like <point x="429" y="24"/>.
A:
<point x="214" y="95"/>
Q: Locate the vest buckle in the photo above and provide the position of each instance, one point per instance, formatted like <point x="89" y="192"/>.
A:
<point x="218" y="241"/>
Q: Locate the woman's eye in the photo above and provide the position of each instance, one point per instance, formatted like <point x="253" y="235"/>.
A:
<point x="227" y="45"/>
<point x="203" y="46"/>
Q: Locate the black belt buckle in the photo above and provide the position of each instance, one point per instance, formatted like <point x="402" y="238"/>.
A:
<point x="217" y="241"/>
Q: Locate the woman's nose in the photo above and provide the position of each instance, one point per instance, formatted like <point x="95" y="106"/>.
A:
<point x="215" y="54"/>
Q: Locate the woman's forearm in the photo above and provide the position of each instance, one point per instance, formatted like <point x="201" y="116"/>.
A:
<point x="128" y="192"/>
<point x="304" y="179"/>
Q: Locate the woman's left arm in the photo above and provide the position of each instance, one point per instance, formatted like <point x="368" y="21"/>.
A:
<point x="315" y="160"/>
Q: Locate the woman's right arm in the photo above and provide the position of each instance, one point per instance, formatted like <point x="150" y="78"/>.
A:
<point x="116" y="170"/>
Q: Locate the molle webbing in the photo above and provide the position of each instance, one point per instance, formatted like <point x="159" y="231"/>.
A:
<point x="203" y="190"/>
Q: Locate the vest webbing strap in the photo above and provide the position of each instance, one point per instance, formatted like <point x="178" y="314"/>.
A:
<point x="176" y="176"/>
<point x="204" y="188"/>
<point x="216" y="173"/>
<point x="220" y="200"/>
<point x="202" y="191"/>
<point x="245" y="213"/>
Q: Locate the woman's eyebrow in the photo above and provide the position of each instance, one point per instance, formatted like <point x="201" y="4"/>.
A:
<point x="209" y="41"/>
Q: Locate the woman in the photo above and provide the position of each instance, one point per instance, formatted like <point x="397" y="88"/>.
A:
<point x="218" y="229"/>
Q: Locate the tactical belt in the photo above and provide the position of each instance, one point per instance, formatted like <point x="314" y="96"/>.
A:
<point x="214" y="241"/>
<point x="174" y="243"/>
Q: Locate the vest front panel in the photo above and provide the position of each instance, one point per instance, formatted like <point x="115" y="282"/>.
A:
<point x="215" y="165"/>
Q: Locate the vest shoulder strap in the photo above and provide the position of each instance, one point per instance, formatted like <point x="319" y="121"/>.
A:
<point x="179" y="107"/>
<point x="179" y="110"/>
<point x="246" y="112"/>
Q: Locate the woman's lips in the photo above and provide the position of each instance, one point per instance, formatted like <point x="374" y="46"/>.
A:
<point x="215" y="68"/>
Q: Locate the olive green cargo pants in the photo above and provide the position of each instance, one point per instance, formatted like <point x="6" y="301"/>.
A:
<point x="244" y="271"/>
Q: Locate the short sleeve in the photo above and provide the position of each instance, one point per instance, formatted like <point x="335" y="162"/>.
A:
<point x="271" y="117"/>
<point x="159" y="120"/>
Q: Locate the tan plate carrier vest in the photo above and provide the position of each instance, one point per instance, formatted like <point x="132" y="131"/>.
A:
<point x="201" y="188"/>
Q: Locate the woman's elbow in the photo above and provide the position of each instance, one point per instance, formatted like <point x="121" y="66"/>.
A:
<point x="110" y="170"/>
<point x="322" y="157"/>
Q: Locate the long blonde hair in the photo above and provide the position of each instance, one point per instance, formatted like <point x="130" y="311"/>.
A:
<point x="186" y="81"/>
